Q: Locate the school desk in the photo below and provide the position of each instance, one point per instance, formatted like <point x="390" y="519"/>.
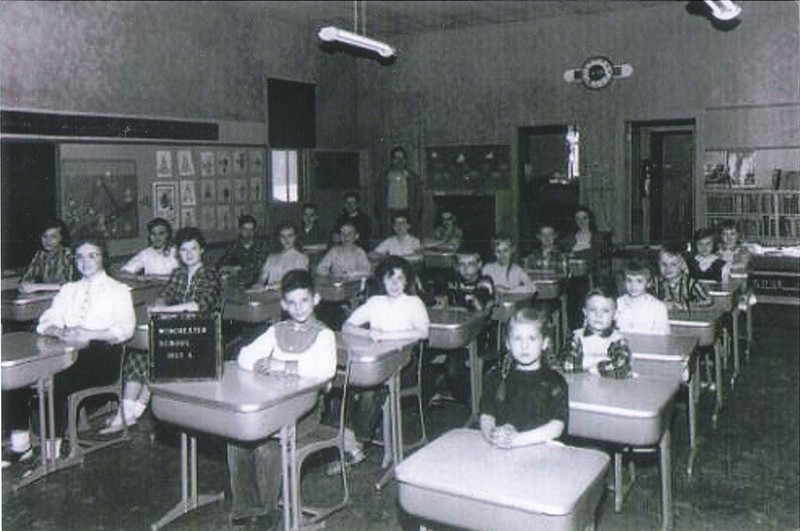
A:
<point x="22" y="307"/>
<point x="631" y="412"/>
<point x="242" y="406"/>
<point x="432" y="259"/>
<point x="550" y="286"/>
<point x="505" y="304"/>
<point x="726" y="297"/>
<point x="30" y="359"/>
<point x="702" y="324"/>
<point x="670" y="356"/>
<point x="371" y="363"/>
<point x="252" y="306"/>
<point x="333" y="289"/>
<point x="456" y="328"/>
<point x="461" y="480"/>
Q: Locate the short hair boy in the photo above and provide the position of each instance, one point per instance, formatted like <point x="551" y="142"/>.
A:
<point x="401" y="243"/>
<point x="346" y="259"/>
<point x="637" y="310"/>
<point x="469" y="288"/>
<point x="300" y="346"/>
<point x="675" y="286"/>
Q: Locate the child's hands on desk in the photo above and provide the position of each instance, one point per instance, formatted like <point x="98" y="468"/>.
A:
<point x="503" y="436"/>
<point x="285" y="369"/>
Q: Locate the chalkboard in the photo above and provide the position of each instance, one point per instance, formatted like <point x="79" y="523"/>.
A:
<point x="185" y="346"/>
<point x="336" y="170"/>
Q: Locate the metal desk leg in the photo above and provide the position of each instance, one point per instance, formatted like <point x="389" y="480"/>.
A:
<point x="190" y="500"/>
<point x="735" y="339"/>
<point x="47" y="434"/>
<point x="718" y="354"/>
<point x="749" y="326"/>
<point x="396" y="428"/>
<point x="475" y="381"/>
<point x="666" y="480"/>
<point x="290" y="478"/>
<point x="694" y="393"/>
<point x="564" y="320"/>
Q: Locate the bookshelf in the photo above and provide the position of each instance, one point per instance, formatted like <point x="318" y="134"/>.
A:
<point x="769" y="217"/>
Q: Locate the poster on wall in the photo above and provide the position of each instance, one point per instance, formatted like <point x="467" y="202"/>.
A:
<point x="224" y="191"/>
<point x="239" y="162"/>
<point x="188" y="216"/>
<point x="165" y="201"/>
<point x="224" y="217"/>
<point x="163" y="164"/>
<point x="468" y="167"/>
<point x="101" y="196"/>
<point x="208" y="191"/>
<point x="241" y="189"/>
<point x="208" y="217"/>
<point x="207" y="164"/>
<point x="257" y="161"/>
<point x="185" y="163"/>
<point x="224" y="163"/>
<point x="255" y="190"/>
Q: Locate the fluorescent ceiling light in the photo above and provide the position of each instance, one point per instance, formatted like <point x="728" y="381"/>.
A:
<point x="333" y="34"/>
<point x="723" y="9"/>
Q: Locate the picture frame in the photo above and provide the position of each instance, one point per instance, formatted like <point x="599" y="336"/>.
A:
<point x="165" y="200"/>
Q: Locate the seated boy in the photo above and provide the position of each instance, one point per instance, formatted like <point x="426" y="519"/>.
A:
<point x="402" y="243"/>
<point x="300" y="346"/>
<point x="731" y="249"/>
<point x="675" y="286"/>
<point x="471" y="290"/>
<point x="447" y="236"/>
<point x="280" y="263"/>
<point x="547" y="257"/>
<point x="637" y="310"/>
<point x="346" y="259"/>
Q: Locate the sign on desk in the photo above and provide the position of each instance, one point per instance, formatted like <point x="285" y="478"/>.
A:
<point x="185" y="346"/>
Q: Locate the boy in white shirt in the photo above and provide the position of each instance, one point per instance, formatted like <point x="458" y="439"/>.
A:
<point x="638" y="310"/>
<point x="402" y="243"/>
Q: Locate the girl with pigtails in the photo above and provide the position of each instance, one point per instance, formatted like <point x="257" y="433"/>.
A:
<point x="524" y="401"/>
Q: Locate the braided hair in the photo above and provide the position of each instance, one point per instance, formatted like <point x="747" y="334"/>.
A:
<point x="526" y="315"/>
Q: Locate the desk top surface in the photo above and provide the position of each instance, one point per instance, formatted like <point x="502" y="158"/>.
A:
<point x="364" y="350"/>
<point x="545" y="478"/>
<point x="666" y="347"/>
<point x="642" y="396"/>
<point x="239" y="390"/>
<point x="25" y="347"/>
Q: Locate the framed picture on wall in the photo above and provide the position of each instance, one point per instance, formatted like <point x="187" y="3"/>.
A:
<point x="208" y="192"/>
<point x="188" y="194"/>
<point x="207" y="164"/>
<point x="239" y="162"/>
<point x="468" y="167"/>
<point x="165" y="200"/>
<point x="185" y="163"/>
<point x="164" y="164"/>
<point x="208" y="217"/>
<point x="224" y="163"/>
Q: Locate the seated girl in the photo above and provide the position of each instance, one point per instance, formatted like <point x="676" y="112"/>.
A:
<point x="52" y="266"/>
<point x="524" y="401"/>
<point x="731" y="250"/>
<point x="506" y="275"/>
<point x="598" y="346"/>
<point x="705" y="263"/>
<point x="396" y="315"/>
<point x="95" y="313"/>
<point x="160" y="257"/>
<point x="280" y="263"/>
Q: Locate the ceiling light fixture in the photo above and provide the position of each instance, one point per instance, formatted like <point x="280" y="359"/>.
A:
<point x="333" y="34"/>
<point x="723" y="9"/>
<point x="356" y="38"/>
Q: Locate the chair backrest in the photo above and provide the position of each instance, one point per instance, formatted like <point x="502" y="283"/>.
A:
<point x="185" y="346"/>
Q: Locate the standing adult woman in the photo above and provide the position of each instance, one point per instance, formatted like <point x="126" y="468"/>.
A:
<point x="584" y="245"/>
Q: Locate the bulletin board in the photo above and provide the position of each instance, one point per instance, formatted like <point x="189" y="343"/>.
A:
<point x="468" y="167"/>
<point x="115" y="189"/>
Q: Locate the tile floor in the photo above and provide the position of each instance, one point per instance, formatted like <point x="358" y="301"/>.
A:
<point x="747" y="472"/>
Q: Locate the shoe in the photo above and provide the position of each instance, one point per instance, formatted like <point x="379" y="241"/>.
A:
<point x="133" y="410"/>
<point x="353" y="458"/>
<point x="440" y="398"/>
<point x="261" y="522"/>
<point x="13" y="456"/>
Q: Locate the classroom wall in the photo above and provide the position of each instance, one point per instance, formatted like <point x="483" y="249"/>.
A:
<point x="478" y="85"/>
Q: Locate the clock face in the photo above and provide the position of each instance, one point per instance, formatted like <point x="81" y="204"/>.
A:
<point x="597" y="72"/>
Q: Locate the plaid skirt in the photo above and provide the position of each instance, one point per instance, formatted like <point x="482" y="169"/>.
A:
<point x="136" y="366"/>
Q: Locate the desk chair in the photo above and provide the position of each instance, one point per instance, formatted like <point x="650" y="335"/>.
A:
<point x="318" y="437"/>
<point x="413" y="390"/>
<point x="79" y="447"/>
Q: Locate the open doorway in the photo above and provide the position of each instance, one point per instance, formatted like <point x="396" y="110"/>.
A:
<point x="661" y="181"/>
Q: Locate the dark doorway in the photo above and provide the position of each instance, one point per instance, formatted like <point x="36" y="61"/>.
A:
<point x="29" y="197"/>
<point x="662" y="187"/>
<point x="545" y="193"/>
<point x="475" y="216"/>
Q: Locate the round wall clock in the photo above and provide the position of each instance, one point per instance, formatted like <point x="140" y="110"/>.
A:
<point x="597" y="72"/>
